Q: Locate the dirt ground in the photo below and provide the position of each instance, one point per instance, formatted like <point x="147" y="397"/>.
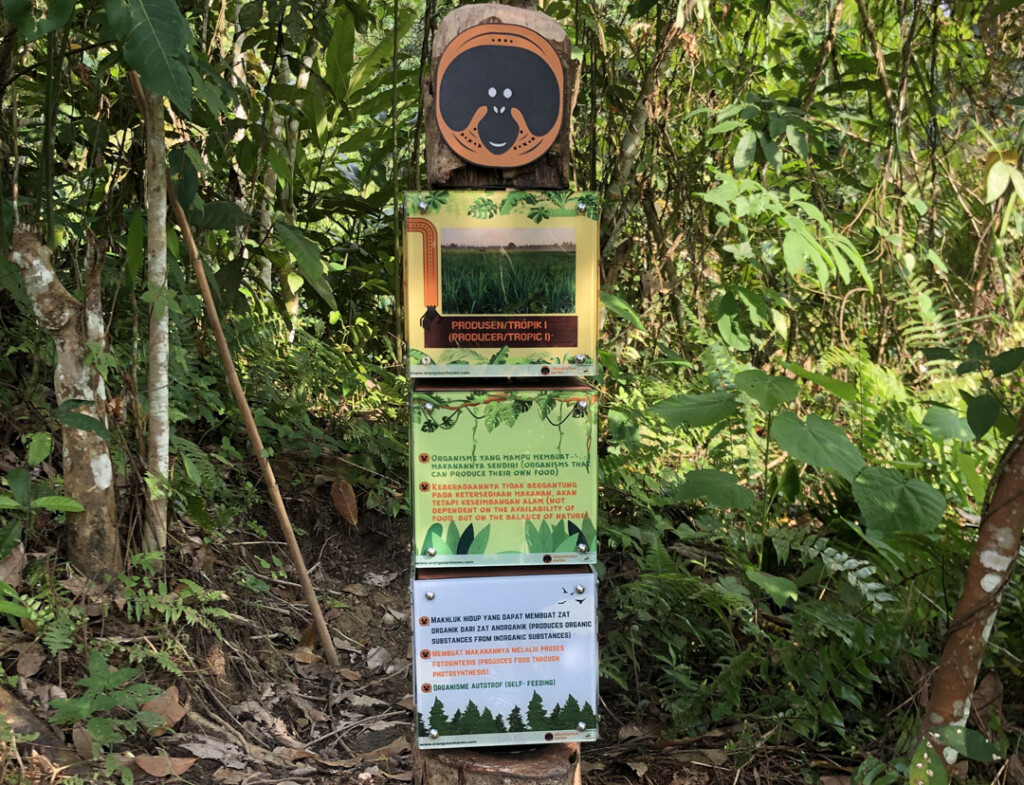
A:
<point x="258" y="705"/>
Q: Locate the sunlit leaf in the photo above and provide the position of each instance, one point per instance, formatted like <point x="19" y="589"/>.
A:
<point x="891" y="503"/>
<point x="818" y="443"/>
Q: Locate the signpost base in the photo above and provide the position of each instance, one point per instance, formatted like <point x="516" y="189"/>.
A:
<point x="551" y="764"/>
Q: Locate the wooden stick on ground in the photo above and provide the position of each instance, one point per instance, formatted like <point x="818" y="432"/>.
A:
<point x="243" y="406"/>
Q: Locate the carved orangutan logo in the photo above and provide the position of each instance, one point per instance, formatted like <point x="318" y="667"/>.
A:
<point x="499" y="95"/>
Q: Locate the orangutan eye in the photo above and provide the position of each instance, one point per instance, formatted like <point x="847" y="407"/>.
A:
<point x="492" y="92"/>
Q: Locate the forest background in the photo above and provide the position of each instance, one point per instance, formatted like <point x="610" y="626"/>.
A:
<point x="812" y="247"/>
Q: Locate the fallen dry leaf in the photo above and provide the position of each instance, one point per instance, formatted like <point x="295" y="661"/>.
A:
<point x="163" y="766"/>
<point x="229" y="777"/>
<point x="31" y="660"/>
<point x="405" y="776"/>
<point x="638" y="766"/>
<point x="397" y="747"/>
<point x="358" y="589"/>
<point x="12" y="566"/>
<point x="1015" y="768"/>
<point x="211" y="748"/>
<point x="168" y="707"/>
<point x="344" y="499"/>
<point x="291" y="754"/>
<point x="632" y="730"/>
<point x="408" y="702"/>
<point x="349" y="675"/>
<point x="83" y="742"/>
<point x="835" y="779"/>
<point x="305" y="655"/>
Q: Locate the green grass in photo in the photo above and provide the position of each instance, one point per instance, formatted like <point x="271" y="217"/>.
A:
<point x="508" y="280"/>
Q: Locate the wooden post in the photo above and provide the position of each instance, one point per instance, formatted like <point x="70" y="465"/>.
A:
<point x="553" y="764"/>
<point x="445" y="168"/>
<point x="497" y="106"/>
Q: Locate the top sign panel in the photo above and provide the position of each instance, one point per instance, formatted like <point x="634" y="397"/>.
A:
<point x="501" y="283"/>
<point x="500" y="92"/>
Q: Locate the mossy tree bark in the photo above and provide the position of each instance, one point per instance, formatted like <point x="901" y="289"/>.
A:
<point x="94" y="546"/>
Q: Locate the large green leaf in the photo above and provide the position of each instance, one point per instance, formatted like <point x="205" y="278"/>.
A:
<point x="621" y="308"/>
<point x="307" y="257"/>
<point x="891" y="503"/>
<point x="780" y="589"/>
<point x="969" y="743"/>
<point x="339" y="54"/>
<point x="718" y="489"/>
<point x="982" y="413"/>
<point x="697" y="410"/>
<point x="58" y="504"/>
<point x="768" y="391"/>
<point x="841" y="389"/>
<point x="945" y="423"/>
<point x="818" y="443"/>
<point x="20" y="13"/>
<point x="746" y="150"/>
<point x="157" y="46"/>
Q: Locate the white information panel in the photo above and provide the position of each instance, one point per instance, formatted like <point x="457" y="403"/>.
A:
<point x="508" y="659"/>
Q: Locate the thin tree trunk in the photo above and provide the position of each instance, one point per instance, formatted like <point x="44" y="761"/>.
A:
<point x="94" y="547"/>
<point x="995" y="556"/>
<point x="154" y="533"/>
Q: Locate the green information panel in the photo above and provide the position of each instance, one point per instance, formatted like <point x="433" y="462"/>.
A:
<point x="504" y="475"/>
<point x="508" y="659"/>
<point x="501" y="283"/>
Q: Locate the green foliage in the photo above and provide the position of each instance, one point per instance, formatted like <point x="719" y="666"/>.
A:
<point x="110" y="706"/>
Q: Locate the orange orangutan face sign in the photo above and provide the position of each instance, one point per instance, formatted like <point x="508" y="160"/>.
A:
<point x="499" y="95"/>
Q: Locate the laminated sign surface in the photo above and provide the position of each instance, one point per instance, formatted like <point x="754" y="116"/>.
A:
<point x="501" y="283"/>
<point x="504" y="475"/>
<point x="505" y="660"/>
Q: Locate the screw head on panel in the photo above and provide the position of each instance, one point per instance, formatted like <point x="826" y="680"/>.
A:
<point x="428" y="406"/>
<point x="432" y="733"/>
<point x="579" y="588"/>
<point x="431" y="551"/>
<point x="580" y="359"/>
<point x="582" y="547"/>
<point x="423" y="207"/>
<point x="581" y="404"/>
<point x="581" y="726"/>
<point x="581" y="207"/>
<point x="430" y="595"/>
<point x="424" y="361"/>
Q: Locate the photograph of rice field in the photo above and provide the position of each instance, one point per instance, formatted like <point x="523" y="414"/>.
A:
<point x="508" y="271"/>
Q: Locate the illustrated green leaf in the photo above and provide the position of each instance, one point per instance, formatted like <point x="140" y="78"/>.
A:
<point x="719" y="489"/>
<point x="307" y="257"/>
<point x="157" y="46"/>
<point x="58" y="504"/>
<point x="479" y="544"/>
<point x="435" y="530"/>
<point x="465" y="541"/>
<point x="817" y="443"/>
<point x="982" y="413"/>
<point x="780" y="589"/>
<point x="698" y="410"/>
<point x="891" y="503"/>
<point x="451" y="537"/>
<point x="768" y="391"/>
<point x="967" y="742"/>
<point x="746" y="150"/>
<point x="567" y="544"/>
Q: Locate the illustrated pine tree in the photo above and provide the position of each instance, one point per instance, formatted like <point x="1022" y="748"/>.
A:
<point x="472" y="722"/>
<point x="555" y="721"/>
<point x="438" y="719"/>
<point x="421" y="728"/>
<point x="515" y="721"/>
<point x="588" y="716"/>
<point x="487" y="721"/>
<point x="457" y="725"/>
<point x="571" y="713"/>
<point x="536" y="717"/>
<point x="499" y="723"/>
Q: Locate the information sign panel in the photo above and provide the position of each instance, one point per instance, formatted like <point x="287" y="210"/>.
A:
<point x="508" y="659"/>
<point x="504" y="475"/>
<point x="501" y="283"/>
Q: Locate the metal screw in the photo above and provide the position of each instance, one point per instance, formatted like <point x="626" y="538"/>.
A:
<point x="430" y="595"/>
<point x="580" y="359"/>
<point x="581" y="726"/>
<point x="581" y="207"/>
<point x="582" y="547"/>
<point x="581" y="404"/>
<point x="433" y="733"/>
<point x="423" y="207"/>
<point x="428" y="406"/>
<point x="431" y="551"/>
<point x="424" y="361"/>
<point x="579" y="588"/>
